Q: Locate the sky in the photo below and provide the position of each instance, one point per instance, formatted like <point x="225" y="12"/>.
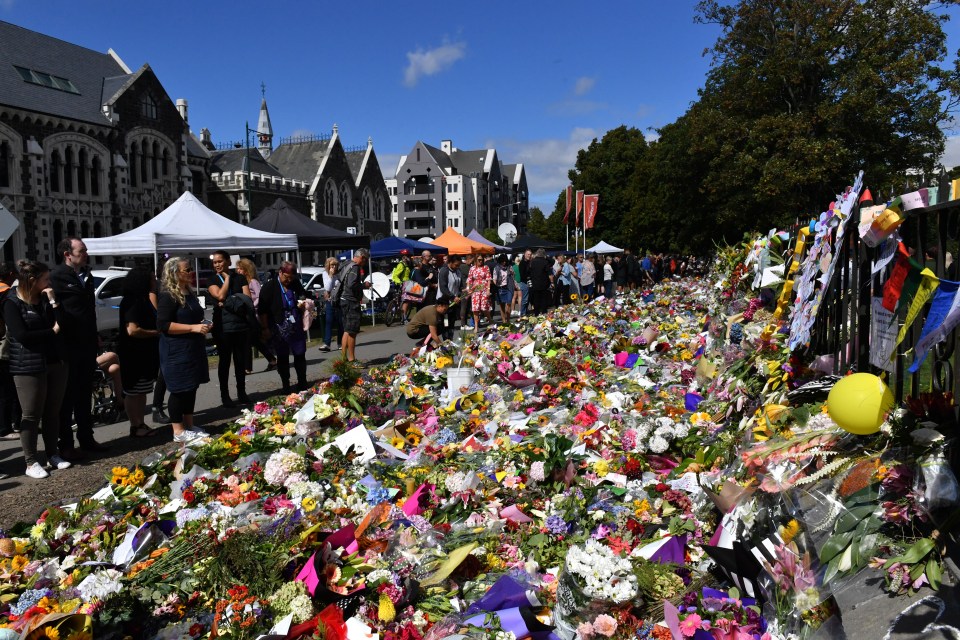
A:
<point x="536" y="80"/>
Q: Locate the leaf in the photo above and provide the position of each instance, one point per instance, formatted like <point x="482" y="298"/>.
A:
<point x="917" y="551"/>
<point x="449" y="565"/>
<point x="537" y="540"/>
<point x="933" y="573"/>
<point x="853" y="518"/>
<point x="831" y="570"/>
<point x="834" y="546"/>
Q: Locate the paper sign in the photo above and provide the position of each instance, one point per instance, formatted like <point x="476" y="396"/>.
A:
<point x="883" y="335"/>
<point x="359" y="439"/>
<point x="8" y="224"/>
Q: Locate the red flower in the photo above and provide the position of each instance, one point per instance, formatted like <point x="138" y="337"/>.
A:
<point x="332" y="619"/>
<point x="189" y="496"/>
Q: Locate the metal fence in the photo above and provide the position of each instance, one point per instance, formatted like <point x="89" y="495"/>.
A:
<point x="842" y="327"/>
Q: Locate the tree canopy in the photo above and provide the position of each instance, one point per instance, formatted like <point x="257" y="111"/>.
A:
<point x="800" y="96"/>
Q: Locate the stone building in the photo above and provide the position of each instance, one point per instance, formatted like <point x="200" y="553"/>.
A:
<point x="87" y="146"/>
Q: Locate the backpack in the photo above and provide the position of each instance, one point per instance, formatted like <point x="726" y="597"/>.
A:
<point x="336" y="293"/>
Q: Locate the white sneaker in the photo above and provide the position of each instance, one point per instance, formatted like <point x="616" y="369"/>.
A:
<point x="36" y="471"/>
<point x="197" y="430"/>
<point x="189" y="436"/>
<point x="59" y="463"/>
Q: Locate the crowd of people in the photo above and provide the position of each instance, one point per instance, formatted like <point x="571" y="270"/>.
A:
<point x="49" y="346"/>
<point x="444" y="292"/>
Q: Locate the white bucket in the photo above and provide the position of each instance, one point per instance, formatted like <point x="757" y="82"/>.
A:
<point x="458" y="377"/>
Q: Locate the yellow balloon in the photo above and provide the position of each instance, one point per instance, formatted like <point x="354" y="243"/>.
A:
<point x="859" y="403"/>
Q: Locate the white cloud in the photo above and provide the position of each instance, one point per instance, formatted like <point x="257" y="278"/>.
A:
<point x="951" y="152"/>
<point x="546" y="162"/>
<point x="651" y="136"/>
<point x="431" y="61"/>
<point x="584" y="85"/>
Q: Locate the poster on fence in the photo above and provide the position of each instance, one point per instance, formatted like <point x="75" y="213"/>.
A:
<point x="883" y="336"/>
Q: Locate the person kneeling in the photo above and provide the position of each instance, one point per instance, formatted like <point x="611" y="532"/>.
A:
<point x="426" y="325"/>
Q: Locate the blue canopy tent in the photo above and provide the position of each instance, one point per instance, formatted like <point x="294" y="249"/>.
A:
<point x="391" y="247"/>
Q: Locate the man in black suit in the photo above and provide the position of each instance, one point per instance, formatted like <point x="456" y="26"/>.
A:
<point x="75" y="289"/>
<point x="541" y="277"/>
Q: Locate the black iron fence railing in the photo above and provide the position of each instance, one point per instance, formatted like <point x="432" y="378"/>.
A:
<point x="843" y="324"/>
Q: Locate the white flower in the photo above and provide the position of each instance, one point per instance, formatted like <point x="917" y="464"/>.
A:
<point x="658" y="444"/>
<point x="100" y="585"/>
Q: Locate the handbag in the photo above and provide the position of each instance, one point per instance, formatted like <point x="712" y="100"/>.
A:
<point x="413" y="291"/>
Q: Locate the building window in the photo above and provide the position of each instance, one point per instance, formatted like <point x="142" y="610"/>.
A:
<point x="143" y="164"/>
<point x="148" y="106"/>
<point x="154" y="162"/>
<point x="394" y="208"/>
<point x="449" y="206"/>
<point x="329" y="199"/>
<point x="456" y="205"/>
<point x="95" y="171"/>
<point x="68" y="167"/>
<point x="82" y="172"/>
<point x="367" y="205"/>
<point x="55" y="167"/>
<point x="344" y="205"/>
<point x="46" y="80"/>
<point x="133" y="164"/>
<point x="166" y="162"/>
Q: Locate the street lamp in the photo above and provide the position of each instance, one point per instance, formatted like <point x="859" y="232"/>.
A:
<point x="499" y="209"/>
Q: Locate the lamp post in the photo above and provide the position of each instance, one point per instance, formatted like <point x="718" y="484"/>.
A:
<point x="499" y="209"/>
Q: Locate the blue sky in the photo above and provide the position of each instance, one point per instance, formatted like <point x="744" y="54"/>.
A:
<point x="536" y="80"/>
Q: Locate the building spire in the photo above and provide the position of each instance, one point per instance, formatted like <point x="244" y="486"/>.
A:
<point x="264" y="128"/>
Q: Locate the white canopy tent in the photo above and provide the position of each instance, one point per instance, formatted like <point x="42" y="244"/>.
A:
<point x="603" y="247"/>
<point x="186" y="226"/>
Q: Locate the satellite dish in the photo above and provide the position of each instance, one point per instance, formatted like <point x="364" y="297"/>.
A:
<point x="380" y="285"/>
<point x="427" y="239"/>
<point x="507" y="232"/>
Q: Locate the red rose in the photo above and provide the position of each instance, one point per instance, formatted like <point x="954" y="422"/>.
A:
<point x="189" y="495"/>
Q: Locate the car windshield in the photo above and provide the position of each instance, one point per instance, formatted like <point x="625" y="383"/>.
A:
<point x="305" y="278"/>
<point x="97" y="280"/>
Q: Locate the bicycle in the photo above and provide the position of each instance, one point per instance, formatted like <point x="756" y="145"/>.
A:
<point x="394" y="306"/>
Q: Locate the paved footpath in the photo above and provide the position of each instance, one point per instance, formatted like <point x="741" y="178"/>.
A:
<point x="375" y="345"/>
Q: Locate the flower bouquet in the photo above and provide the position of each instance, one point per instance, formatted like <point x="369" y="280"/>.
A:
<point x="594" y="581"/>
<point x="715" y="615"/>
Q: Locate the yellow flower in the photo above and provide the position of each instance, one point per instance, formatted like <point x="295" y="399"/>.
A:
<point x="18" y="563"/>
<point x="518" y="396"/>
<point x="443" y="362"/>
<point x="386" y="612"/>
<point x="50" y="633"/>
<point x="397" y="442"/>
<point x="601" y="468"/>
<point x="80" y="635"/>
<point x="308" y="504"/>
<point x="120" y="472"/>
<point x="641" y="508"/>
<point x="789" y="531"/>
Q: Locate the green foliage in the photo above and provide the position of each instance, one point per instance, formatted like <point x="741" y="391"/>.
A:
<point x="550" y="227"/>
<point x="491" y="235"/>
<point x="800" y="97"/>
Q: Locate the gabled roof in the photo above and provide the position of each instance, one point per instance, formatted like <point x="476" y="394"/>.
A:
<point x="84" y="68"/>
<point x="195" y="147"/>
<point x="468" y="162"/>
<point x="355" y="162"/>
<point x="513" y="171"/>
<point x="439" y="156"/>
<point x="300" y="160"/>
<point x="233" y="160"/>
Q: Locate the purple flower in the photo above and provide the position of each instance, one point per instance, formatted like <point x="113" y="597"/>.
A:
<point x="556" y="525"/>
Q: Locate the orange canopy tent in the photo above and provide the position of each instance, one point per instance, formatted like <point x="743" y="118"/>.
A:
<point x="458" y="243"/>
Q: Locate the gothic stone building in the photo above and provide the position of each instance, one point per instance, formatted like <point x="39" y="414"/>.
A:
<point x="88" y="147"/>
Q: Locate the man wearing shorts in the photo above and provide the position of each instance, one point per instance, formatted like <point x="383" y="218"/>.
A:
<point x="353" y="286"/>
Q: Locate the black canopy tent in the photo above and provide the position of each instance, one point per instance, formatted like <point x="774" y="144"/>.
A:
<point x="531" y="241"/>
<point x="311" y="235"/>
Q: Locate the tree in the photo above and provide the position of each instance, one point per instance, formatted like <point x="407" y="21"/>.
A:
<point x="548" y="228"/>
<point x="607" y="167"/>
<point x="802" y="95"/>
<point x="491" y="235"/>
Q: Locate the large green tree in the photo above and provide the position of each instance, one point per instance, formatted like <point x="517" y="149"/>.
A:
<point x="608" y="167"/>
<point x="804" y="93"/>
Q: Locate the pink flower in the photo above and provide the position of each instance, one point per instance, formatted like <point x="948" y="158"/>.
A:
<point x="261" y="407"/>
<point x="605" y="625"/>
<point x="585" y="630"/>
<point x="690" y="625"/>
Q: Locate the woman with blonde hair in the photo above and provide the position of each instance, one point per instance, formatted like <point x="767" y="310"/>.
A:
<point x="248" y="269"/>
<point x="183" y="337"/>
<point x="331" y="312"/>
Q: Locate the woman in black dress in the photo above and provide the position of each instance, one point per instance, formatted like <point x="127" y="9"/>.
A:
<point x="183" y="355"/>
<point x="139" y="347"/>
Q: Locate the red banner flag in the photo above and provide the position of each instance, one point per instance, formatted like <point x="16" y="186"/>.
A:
<point x="576" y="216"/>
<point x="566" y="216"/>
<point x="590" y="210"/>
